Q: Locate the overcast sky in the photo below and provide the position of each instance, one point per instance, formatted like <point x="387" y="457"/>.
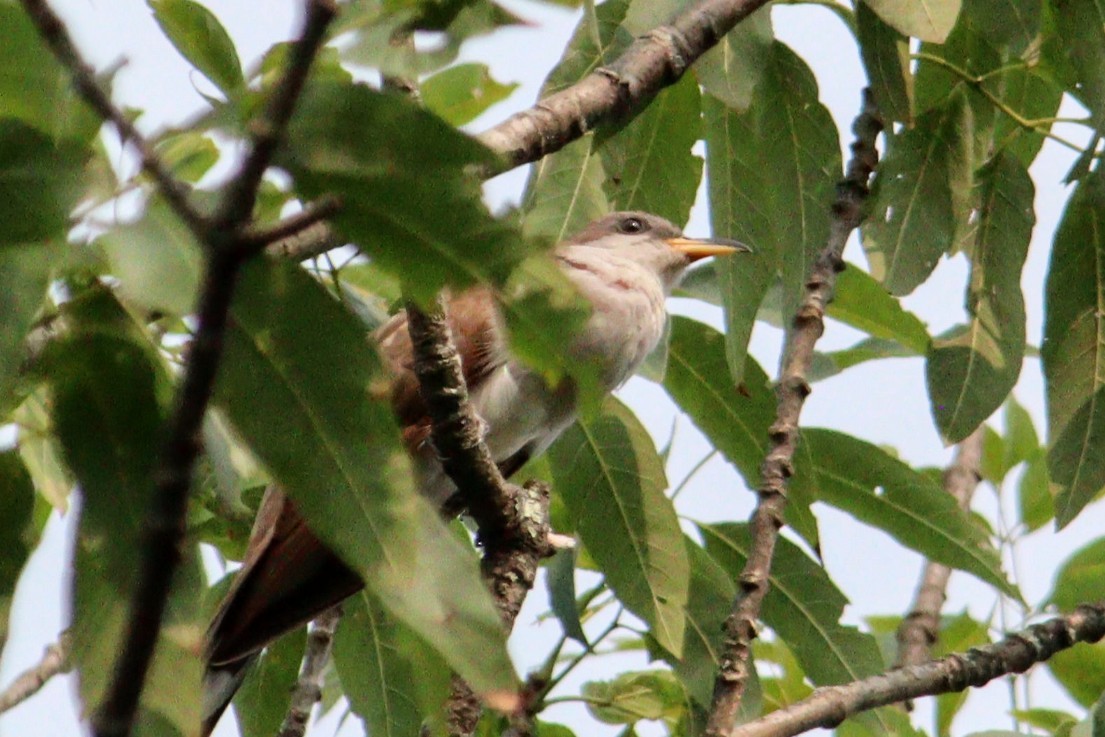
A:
<point x="883" y="402"/>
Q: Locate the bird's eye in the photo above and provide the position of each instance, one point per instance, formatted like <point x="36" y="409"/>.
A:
<point x="632" y="225"/>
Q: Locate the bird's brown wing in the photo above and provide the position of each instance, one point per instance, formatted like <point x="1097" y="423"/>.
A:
<point x="288" y="576"/>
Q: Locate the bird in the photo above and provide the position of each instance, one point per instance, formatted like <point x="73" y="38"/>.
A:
<point x="624" y="265"/>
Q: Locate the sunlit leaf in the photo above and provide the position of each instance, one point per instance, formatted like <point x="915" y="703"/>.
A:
<point x="613" y="482"/>
<point x="1081" y="671"/>
<point x="1074" y="350"/>
<point x="201" y="39"/>
<point x="928" y="20"/>
<point x="189" y="155"/>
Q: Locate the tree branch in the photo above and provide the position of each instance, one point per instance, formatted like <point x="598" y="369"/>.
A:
<point x="276" y="239"/>
<point x="920" y="629"/>
<point x="55" y="660"/>
<point x="513" y="522"/>
<point x="827" y="707"/>
<point x="308" y="688"/>
<point x="163" y="525"/>
<point x="792" y="390"/>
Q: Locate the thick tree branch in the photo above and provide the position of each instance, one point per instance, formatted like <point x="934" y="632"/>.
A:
<point x="513" y="522"/>
<point x="792" y="390"/>
<point x="55" y="35"/>
<point x="163" y="525"/>
<point x="55" y="660"/>
<point x="655" y="60"/>
<point x="920" y="629"/>
<point x="827" y="707"/>
<point x="308" y="688"/>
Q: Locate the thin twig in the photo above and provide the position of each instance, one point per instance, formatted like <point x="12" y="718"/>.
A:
<point x="827" y="707"/>
<point x="920" y="629"/>
<point x="513" y="522"/>
<point x="55" y="35"/>
<point x="792" y="390"/>
<point x="55" y="660"/>
<point x="308" y="688"/>
<point x="291" y="226"/>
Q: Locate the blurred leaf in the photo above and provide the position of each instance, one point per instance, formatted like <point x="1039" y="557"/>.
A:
<point x="1080" y="24"/>
<point x="803" y="606"/>
<point x="598" y="39"/>
<point x="293" y="353"/>
<point x="648" y="163"/>
<point x="41" y="452"/>
<point x="17" y="499"/>
<point x="1081" y="671"/>
<point x="826" y="365"/>
<point x="565" y="192"/>
<point x="1035" y="504"/>
<point x="971" y="370"/>
<point x="462" y="93"/>
<point x="40" y="182"/>
<point x="867" y="483"/>
<point x="24" y="277"/>
<point x="109" y="394"/>
<point x="783" y="155"/>
<point x="735" y="419"/>
<point x="1074" y="347"/>
<point x="201" y="39"/>
<point x="735" y="71"/>
<point x="928" y="20"/>
<point x="560" y="572"/>
<point x="1050" y="720"/>
<point x="372" y="653"/>
<point x="860" y="301"/>
<point x="408" y="201"/>
<point x="613" y="483"/>
<point x="34" y="87"/>
<point x="633" y="696"/>
<point x="156" y="260"/>
<point x="920" y="197"/>
<point x="189" y="154"/>
<point x="1081" y="578"/>
<point x="262" y="702"/>
<point x="885" y="54"/>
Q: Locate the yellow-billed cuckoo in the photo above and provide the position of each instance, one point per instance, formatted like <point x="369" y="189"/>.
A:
<point x="624" y="264"/>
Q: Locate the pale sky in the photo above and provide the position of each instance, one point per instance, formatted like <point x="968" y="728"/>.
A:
<point x="884" y="402"/>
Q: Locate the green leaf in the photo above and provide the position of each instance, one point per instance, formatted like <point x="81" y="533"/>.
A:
<point x="109" y="394"/>
<point x="1053" y="721"/>
<point x="971" y="370"/>
<point x="633" y="696"/>
<point x="262" y="702"/>
<point x="598" y="39"/>
<point x="407" y="199"/>
<point x="189" y="154"/>
<point x="562" y="594"/>
<point x="1081" y="671"/>
<point x="885" y="54"/>
<point x="928" y="20"/>
<point x="608" y="473"/>
<point x="860" y="301"/>
<point x="1080" y="25"/>
<point x="1030" y="92"/>
<point x="1012" y="23"/>
<point x="921" y="197"/>
<point x="294" y="353"/>
<point x="1021" y="441"/>
<point x="1035" y="504"/>
<point x="201" y="39"/>
<point x="1073" y="350"/>
<point x="40" y="182"/>
<point x="24" y="276"/>
<point x="648" y="163"/>
<point x="826" y="365"/>
<point x="1081" y="578"/>
<point x="462" y="93"/>
<point x="40" y="450"/>
<point x="735" y="70"/>
<point x="565" y="192"/>
<point x="803" y="606"/>
<point x="373" y="655"/>
<point x="17" y="501"/>
<point x="156" y="260"/>
<point x="773" y="172"/>
<point x="34" y="87"/>
<point x="735" y="419"/>
<point x="867" y="483"/>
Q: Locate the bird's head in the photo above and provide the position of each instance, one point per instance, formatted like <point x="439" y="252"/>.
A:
<point x="653" y="242"/>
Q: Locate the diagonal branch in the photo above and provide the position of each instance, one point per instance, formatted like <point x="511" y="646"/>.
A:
<point x="827" y="707"/>
<point x="513" y="522"/>
<point x="308" y="687"/>
<point x="921" y="627"/>
<point x="55" y="660"/>
<point x="792" y="390"/>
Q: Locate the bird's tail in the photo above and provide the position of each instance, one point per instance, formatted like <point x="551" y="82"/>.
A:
<point x="220" y="683"/>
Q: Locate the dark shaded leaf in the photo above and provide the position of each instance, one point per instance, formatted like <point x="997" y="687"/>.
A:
<point x="612" y="480"/>
<point x="921" y="197"/>
<point x="1080" y="25"/>
<point x="262" y="702"/>
<point x="598" y="39"/>
<point x="1034" y="96"/>
<point x="17" y="500"/>
<point x="40" y="182"/>
<point x="292" y="353"/>
<point x="24" y="276"/>
<point x="971" y="370"/>
<point x="562" y="594"/>
<point x="201" y="39"/>
<point x="1074" y="348"/>
<point x="633" y="696"/>
<point x="885" y="54"/>
<point x="1011" y="23"/>
<point x="462" y="93"/>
